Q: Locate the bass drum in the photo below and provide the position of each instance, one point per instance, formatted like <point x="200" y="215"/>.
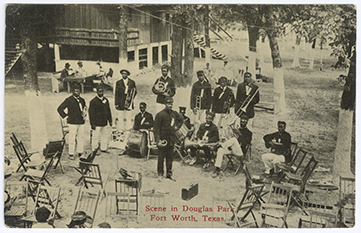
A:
<point x="137" y="145"/>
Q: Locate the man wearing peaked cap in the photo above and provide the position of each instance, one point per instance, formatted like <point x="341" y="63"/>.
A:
<point x="143" y="120"/>
<point x="201" y="97"/>
<point x="186" y="120"/>
<point x="166" y="123"/>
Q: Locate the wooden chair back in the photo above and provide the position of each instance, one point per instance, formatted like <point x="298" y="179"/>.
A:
<point x="347" y="187"/>
<point x="54" y="146"/>
<point x="132" y="187"/>
<point x="47" y="168"/>
<point x="48" y="197"/>
<point x="18" y="202"/>
<point x="64" y="126"/>
<point x="298" y="159"/>
<point x="347" y="194"/>
<point x="22" y="156"/>
<point x="87" y="201"/>
<point x="307" y="172"/>
<point x="293" y="148"/>
<point x="276" y="208"/>
<point x="220" y="213"/>
<point x="14" y="139"/>
<point x="117" y="205"/>
<point x="319" y="216"/>
<point x="91" y="174"/>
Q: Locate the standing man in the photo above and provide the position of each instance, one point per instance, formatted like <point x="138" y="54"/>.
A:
<point x="223" y="100"/>
<point x="125" y="92"/>
<point x="166" y="123"/>
<point x="143" y="120"/>
<point x="280" y="144"/>
<point x="246" y="90"/>
<point x="201" y="97"/>
<point x="163" y="87"/>
<point x="76" y="113"/>
<point x="99" y="117"/>
<point x="236" y="145"/>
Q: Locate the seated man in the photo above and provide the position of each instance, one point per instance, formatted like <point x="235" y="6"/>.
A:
<point x="206" y="134"/>
<point x="236" y="145"/>
<point x="280" y="144"/>
<point x="143" y="120"/>
<point x="41" y="215"/>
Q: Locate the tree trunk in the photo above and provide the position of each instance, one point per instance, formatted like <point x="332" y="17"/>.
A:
<point x="278" y="81"/>
<point x="177" y="52"/>
<point x="343" y="153"/>
<point x="123" y="33"/>
<point x="189" y="55"/>
<point x="252" y="48"/>
<point x="38" y="131"/>
<point x="296" y="58"/>
<point x="312" y="54"/>
<point x="206" y="34"/>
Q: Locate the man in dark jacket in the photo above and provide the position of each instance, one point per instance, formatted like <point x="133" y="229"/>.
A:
<point x="166" y="123"/>
<point x="163" y="87"/>
<point x="76" y="113"/>
<point x="280" y="144"/>
<point x="125" y="92"/>
<point x="201" y="97"/>
<point x="143" y="120"/>
<point x="245" y="90"/>
<point x="99" y="117"/>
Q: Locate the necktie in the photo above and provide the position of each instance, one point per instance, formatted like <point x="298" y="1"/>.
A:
<point x="248" y="89"/>
<point x="80" y="106"/>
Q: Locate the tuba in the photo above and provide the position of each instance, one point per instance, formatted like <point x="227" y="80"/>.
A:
<point x="162" y="87"/>
<point x="129" y="98"/>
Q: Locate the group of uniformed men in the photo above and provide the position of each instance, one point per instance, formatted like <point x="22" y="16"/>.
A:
<point x="228" y="135"/>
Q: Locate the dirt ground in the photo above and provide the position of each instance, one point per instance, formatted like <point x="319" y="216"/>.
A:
<point x="312" y="98"/>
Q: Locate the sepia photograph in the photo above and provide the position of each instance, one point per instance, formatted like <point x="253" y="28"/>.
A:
<point x="179" y="116"/>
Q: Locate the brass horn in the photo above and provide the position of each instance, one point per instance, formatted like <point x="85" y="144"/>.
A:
<point x="188" y="143"/>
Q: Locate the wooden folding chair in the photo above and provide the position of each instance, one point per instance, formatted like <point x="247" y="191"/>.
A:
<point x="274" y="212"/>
<point x="91" y="175"/>
<point x="131" y="186"/>
<point x="298" y="182"/>
<point x="18" y="203"/>
<point x="295" y="163"/>
<point x="51" y="148"/>
<point x="223" y="215"/>
<point x="347" y="195"/>
<point x="25" y="158"/>
<point x="319" y="217"/>
<point x="83" y="168"/>
<point x="232" y="160"/>
<point x="252" y="181"/>
<point x="87" y="201"/>
<point x="48" y="197"/>
<point x="117" y="206"/>
<point x="153" y="199"/>
<point x="14" y="139"/>
<point x="64" y="126"/>
<point x="245" y="207"/>
<point x="38" y="175"/>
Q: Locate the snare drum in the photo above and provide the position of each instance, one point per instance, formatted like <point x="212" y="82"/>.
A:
<point x="137" y="145"/>
<point x="181" y="134"/>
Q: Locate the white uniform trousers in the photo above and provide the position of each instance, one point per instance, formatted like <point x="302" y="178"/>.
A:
<point x="125" y="122"/>
<point x="270" y="159"/>
<point x="231" y="146"/>
<point x="200" y="117"/>
<point x="101" y="133"/>
<point x="76" y="136"/>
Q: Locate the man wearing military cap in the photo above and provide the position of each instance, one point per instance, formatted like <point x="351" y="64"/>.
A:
<point x="143" y="120"/>
<point x="99" y="117"/>
<point x="163" y="87"/>
<point x="201" y="97"/>
<point x="125" y="92"/>
<point x="166" y="123"/>
<point x="186" y="120"/>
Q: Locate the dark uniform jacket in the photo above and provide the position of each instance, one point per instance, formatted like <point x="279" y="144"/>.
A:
<point x="74" y="112"/>
<point x="241" y="97"/>
<point x="147" y="123"/>
<point x="187" y="122"/>
<point x="206" y="100"/>
<point x="244" y="138"/>
<point x="120" y="96"/>
<point x="221" y="98"/>
<point x="213" y="135"/>
<point x="285" y="149"/>
<point x="99" y="112"/>
<point x="169" y="82"/>
<point x="162" y="125"/>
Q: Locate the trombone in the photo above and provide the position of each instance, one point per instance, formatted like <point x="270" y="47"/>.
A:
<point x="246" y="102"/>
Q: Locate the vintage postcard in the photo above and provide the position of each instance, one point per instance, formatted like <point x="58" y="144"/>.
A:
<point x="179" y="116"/>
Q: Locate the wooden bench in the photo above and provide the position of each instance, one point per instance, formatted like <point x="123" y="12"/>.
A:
<point x="269" y="101"/>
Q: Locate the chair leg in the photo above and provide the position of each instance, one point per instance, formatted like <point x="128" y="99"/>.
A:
<point x="47" y="182"/>
<point x="254" y="218"/>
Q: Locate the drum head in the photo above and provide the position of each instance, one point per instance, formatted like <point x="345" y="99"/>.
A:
<point x="144" y="145"/>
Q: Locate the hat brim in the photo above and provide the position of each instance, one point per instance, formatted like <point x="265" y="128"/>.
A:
<point x="121" y="71"/>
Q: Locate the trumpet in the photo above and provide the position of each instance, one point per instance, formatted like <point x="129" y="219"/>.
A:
<point x="129" y="98"/>
<point x="245" y="103"/>
<point x="163" y="143"/>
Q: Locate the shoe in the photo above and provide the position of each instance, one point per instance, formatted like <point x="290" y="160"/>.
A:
<point x="193" y="161"/>
<point x="71" y="157"/>
<point x="220" y="175"/>
<point x="170" y="177"/>
<point x="215" y="174"/>
<point x="105" y="151"/>
<point x="205" y="166"/>
<point x="267" y="172"/>
<point x="160" y="178"/>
